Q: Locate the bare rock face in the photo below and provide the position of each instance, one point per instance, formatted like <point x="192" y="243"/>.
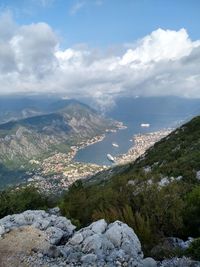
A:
<point x="102" y="244"/>
<point x="99" y="244"/>
<point x="37" y="238"/>
<point x="55" y="227"/>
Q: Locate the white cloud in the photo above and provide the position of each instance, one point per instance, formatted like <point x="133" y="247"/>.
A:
<point x="34" y="47"/>
<point x="165" y="62"/>
<point x="161" y="45"/>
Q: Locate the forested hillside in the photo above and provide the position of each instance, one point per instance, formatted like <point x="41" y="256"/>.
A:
<point x="158" y="195"/>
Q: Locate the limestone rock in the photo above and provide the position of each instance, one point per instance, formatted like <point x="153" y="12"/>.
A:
<point x="38" y="219"/>
<point x="99" y="227"/>
<point x="2" y="230"/>
<point x="55" y="235"/>
<point x="198" y="175"/>
<point x="89" y="259"/>
<point x="110" y="243"/>
<point x="76" y="239"/>
<point x="52" y="252"/>
<point x="148" y="262"/>
<point x="100" y="244"/>
<point x="54" y="211"/>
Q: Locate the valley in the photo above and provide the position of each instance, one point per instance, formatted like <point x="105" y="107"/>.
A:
<point x="67" y="140"/>
<point x="157" y="178"/>
<point x="162" y="183"/>
<point x="99" y="133"/>
<point x="67" y="127"/>
<point x="56" y="173"/>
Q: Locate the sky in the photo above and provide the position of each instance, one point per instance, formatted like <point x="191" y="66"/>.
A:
<point x="100" y="48"/>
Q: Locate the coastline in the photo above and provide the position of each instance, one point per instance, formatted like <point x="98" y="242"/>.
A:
<point x="96" y="139"/>
<point x="141" y="142"/>
<point x="58" y="172"/>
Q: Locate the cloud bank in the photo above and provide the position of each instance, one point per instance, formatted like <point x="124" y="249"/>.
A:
<point x="165" y="62"/>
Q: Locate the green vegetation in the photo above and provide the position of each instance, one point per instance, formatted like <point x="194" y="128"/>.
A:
<point x="19" y="200"/>
<point x="41" y="136"/>
<point x="192" y="212"/>
<point x="153" y="211"/>
<point x="177" y="154"/>
<point x="194" y="250"/>
<point x="133" y="195"/>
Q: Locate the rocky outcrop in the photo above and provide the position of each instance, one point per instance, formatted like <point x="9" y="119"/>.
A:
<point x="55" y="227"/>
<point x="99" y="244"/>
<point x="39" y="238"/>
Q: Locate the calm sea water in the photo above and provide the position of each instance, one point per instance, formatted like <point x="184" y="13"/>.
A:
<point x="96" y="153"/>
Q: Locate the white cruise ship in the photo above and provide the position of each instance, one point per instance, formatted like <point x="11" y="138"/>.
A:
<point x="115" y="145"/>
<point x="145" y="125"/>
<point x="110" y="157"/>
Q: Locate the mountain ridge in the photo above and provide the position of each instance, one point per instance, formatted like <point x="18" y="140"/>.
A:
<point x="69" y="125"/>
<point x="41" y="136"/>
<point x="157" y="195"/>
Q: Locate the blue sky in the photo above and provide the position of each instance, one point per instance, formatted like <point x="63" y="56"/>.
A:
<point x="100" y="48"/>
<point x="107" y="22"/>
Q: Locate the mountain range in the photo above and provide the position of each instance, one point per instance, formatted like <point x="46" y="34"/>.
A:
<point x="66" y="123"/>
<point x="57" y="125"/>
<point x="158" y="195"/>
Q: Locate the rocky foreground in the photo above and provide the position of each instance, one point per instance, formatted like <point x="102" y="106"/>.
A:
<point x="39" y="238"/>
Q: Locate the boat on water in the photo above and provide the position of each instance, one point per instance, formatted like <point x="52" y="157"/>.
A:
<point x="115" y="145"/>
<point x="144" y="124"/>
<point x="110" y="157"/>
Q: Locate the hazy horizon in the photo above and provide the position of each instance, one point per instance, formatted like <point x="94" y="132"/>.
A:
<point x="100" y="49"/>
